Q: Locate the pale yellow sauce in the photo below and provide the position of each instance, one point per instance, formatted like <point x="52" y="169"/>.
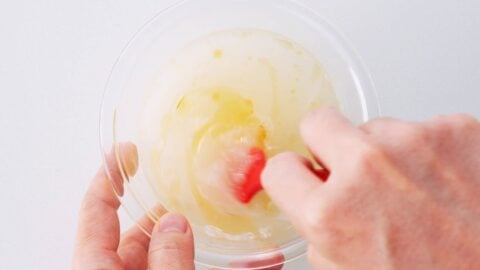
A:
<point x="232" y="90"/>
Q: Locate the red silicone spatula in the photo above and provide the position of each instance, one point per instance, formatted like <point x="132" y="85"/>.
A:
<point x="251" y="185"/>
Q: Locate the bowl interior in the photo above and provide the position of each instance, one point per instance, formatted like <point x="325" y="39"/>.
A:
<point x="136" y="72"/>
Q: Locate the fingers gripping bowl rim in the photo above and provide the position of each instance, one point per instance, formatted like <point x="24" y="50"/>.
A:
<point x="174" y="27"/>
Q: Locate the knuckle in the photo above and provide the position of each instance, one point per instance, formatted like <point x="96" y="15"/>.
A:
<point x="447" y="126"/>
<point x="414" y="136"/>
<point x="105" y="260"/>
<point x="463" y="117"/>
<point x="367" y="155"/>
<point x="455" y="121"/>
<point x="325" y="220"/>
<point x="314" y="215"/>
<point x="370" y="152"/>
<point x="441" y="125"/>
<point x="318" y="216"/>
<point x="372" y="125"/>
<point x="377" y="124"/>
<point x="463" y="121"/>
<point x="165" y="246"/>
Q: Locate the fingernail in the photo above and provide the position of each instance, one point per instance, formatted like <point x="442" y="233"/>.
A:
<point x="172" y="223"/>
<point x="129" y="157"/>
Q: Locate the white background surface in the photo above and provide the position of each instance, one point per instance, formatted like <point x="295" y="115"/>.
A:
<point x="55" y="57"/>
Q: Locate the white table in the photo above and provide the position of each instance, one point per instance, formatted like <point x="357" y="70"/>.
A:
<point x="55" y="57"/>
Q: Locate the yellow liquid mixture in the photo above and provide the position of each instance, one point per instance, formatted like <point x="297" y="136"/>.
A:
<point x="227" y="92"/>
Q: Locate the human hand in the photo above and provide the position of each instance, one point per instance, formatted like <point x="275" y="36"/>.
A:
<point x="99" y="245"/>
<point x="400" y="195"/>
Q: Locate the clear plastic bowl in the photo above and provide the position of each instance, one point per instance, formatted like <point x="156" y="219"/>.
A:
<point x="173" y="28"/>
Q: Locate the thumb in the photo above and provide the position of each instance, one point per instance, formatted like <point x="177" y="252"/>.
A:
<point x="171" y="246"/>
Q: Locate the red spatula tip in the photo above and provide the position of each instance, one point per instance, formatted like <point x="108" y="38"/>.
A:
<point x="245" y="190"/>
<point x="322" y="173"/>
